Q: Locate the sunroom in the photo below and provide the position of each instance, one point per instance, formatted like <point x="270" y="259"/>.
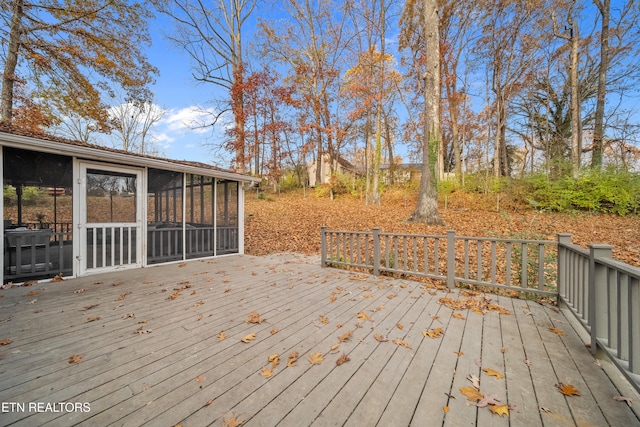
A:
<point x="72" y="209"/>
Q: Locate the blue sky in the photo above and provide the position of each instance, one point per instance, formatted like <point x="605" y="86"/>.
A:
<point x="183" y="99"/>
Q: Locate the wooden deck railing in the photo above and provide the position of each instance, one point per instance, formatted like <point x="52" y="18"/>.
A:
<point x="602" y="293"/>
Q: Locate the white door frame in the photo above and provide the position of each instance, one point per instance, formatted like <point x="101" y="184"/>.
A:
<point x="114" y="252"/>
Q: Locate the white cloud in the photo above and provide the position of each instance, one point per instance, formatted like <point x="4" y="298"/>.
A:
<point x="192" y="119"/>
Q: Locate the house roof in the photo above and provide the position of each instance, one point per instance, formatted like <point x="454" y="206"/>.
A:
<point x="19" y="138"/>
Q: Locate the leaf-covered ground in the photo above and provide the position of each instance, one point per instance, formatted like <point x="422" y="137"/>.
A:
<point x="291" y="222"/>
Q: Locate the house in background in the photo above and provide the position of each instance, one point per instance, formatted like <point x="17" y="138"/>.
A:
<point x="340" y="166"/>
<point x="75" y="209"/>
<point x="401" y="173"/>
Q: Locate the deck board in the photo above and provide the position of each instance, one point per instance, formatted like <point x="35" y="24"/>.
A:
<point x="180" y="372"/>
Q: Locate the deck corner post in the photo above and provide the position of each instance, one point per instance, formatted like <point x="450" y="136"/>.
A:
<point x="376" y="251"/>
<point x="451" y="258"/>
<point x="598" y="293"/>
<point x="323" y="246"/>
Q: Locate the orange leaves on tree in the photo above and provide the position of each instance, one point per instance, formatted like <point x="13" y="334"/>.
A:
<point x="316" y="358"/>
<point x="568" y="389"/>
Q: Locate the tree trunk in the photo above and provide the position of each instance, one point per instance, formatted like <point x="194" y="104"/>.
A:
<point x="598" y="128"/>
<point x="576" y="121"/>
<point x="427" y="206"/>
<point x="11" y="62"/>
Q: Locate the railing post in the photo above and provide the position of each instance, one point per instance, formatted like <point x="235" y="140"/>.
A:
<point x="323" y="246"/>
<point x="376" y="251"/>
<point x="451" y="259"/>
<point x="561" y="266"/>
<point x="598" y="293"/>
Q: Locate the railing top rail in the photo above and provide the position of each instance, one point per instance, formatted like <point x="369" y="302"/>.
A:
<point x="506" y="239"/>
<point x="620" y="266"/>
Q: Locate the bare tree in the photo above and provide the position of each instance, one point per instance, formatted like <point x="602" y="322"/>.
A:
<point x="131" y="125"/>
<point x="211" y="34"/>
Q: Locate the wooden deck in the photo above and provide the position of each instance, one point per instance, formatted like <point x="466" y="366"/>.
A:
<point x="151" y="352"/>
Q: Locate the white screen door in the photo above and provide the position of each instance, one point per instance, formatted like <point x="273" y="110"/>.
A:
<point x="110" y="218"/>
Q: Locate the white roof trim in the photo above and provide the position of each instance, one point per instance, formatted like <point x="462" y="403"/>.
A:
<point x="93" y="153"/>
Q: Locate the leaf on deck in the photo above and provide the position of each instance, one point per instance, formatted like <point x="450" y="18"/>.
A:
<point x="363" y="316"/>
<point x="255" y="318"/>
<point x="274" y="331"/>
<point x="568" y="389"/>
<point x="474" y="380"/>
<point x="234" y="421"/>
<point x="500" y="409"/>
<point x="433" y="333"/>
<point x="380" y="338"/>
<point x="488" y="400"/>
<point x="493" y="373"/>
<point x="274" y="359"/>
<point x="342" y="359"/>
<point x="344" y="337"/>
<point x="627" y="400"/>
<point x="400" y="326"/>
<point x="6" y="341"/>
<point x="323" y="319"/>
<point x="266" y="372"/>
<point x="472" y="393"/>
<point x="248" y="338"/>
<point x="316" y="359"/>
<point x="75" y="359"/>
<point x="557" y="331"/>
<point x="221" y="336"/>
<point x="293" y="358"/>
<point x="401" y="343"/>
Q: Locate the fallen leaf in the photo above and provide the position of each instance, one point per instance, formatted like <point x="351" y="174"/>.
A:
<point x="75" y="359"/>
<point x="545" y="410"/>
<point x="221" y="336"/>
<point x="333" y="298"/>
<point x="31" y="294"/>
<point x="459" y="353"/>
<point x="342" y="359"/>
<point x="363" y="316"/>
<point x="92" y="319"/>
<point x="433" y="333"/>
<point x="293" y="358"/>
<point x="198" y="303"/>
<point x="323" y="319"/>
<point x="274" y="359"/>
<point x="400" y="326"/>
<point x="472" y="393"/>
<point x="6" y="341"/>
<point x="255" y="318"/>
<point x="123" y="296"/>
<point x="249" y="338"/>
<point x="458" y="316"/>
<point x="474" y="380"/>
<point x="335" y="347"/>
<point x="274" y="331"/>
<point x="266" y="372"/>
<point x="557" y="331"/>
<point x="128" y="316"/>
<point x="344" y="337"/>
<point x="627" y="400"/>
<point x="235" y="421"/>
<point x="504" y="350"/>
<point x="445" y="409"/>
<point x="380" y="338"/>
<point x="57" y="278"/>
<point x="492" y="373"/>
<point x="500" y="409"/>
<point x="316" y="358"/>
<point x="488" y="400"/>
<point x="208" y="402"/>
<point x="175" y="295"/>
<point x="568" y="390"/>
<point x="89" y="307"/>
<point x="182" y="265"/>
<point x="199" y="379"/>
<point x="402" y="343"/>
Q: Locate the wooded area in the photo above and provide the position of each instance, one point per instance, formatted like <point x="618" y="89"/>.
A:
<point x="522" y="87"/>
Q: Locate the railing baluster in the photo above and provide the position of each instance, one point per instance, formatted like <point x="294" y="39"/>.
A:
<point x="508" y="264"/>
<point x="493" y="262"/>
